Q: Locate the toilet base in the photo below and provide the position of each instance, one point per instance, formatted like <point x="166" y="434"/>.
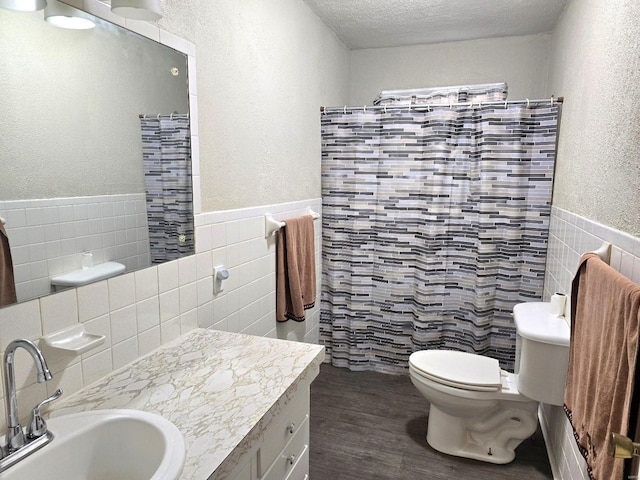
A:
<point x="491" y="438"/>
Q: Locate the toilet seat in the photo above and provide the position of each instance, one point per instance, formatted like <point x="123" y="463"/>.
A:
<point x="461" y="370"/>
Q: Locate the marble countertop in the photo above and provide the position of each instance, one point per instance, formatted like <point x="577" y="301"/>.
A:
<point x="220" y="389"/>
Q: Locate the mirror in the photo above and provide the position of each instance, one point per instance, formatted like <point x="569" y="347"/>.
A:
<point x="74" y="189"/>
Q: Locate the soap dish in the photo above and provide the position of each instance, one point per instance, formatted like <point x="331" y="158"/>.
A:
<point x="74" y="339"/>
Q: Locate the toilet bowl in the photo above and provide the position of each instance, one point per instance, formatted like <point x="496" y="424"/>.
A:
<point x="485" y="420"/>
<point x="482" y="412"/>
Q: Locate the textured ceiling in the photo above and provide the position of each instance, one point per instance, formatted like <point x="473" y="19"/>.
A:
<point x="392" y="23"/>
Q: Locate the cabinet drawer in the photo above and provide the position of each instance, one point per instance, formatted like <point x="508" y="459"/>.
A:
<point x="290" y="454"/>
<point x="300" y="470"/>
<point x="282" y="429"/>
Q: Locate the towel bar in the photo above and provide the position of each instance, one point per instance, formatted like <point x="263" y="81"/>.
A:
<point x="604" y="252"/>
<point x="271" y="225"/>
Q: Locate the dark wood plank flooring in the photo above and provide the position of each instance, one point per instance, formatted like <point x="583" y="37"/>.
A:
<point x="367" y="425"/>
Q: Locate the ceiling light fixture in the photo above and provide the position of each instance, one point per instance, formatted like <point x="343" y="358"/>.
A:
<point x="137" y="9"/>
<point x="64" y="16"/>
<point x="23" y="5"/>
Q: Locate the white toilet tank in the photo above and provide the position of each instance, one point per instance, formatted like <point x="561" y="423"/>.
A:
<point x="542" y="352"/>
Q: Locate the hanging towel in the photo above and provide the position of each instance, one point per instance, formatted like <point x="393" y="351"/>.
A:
<point x="7" y="282"/>
<point x="295" y="269"/>
<point x="602" y="360"/>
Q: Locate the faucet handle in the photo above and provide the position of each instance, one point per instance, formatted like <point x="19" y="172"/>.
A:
<point x="37" y="426"/>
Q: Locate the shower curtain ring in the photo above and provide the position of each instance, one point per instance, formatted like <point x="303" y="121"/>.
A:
<point x="364" y="108"/>
<point x="528" y="103"/>
<point x="552" y="100"/>
<point x="344" y="110"/>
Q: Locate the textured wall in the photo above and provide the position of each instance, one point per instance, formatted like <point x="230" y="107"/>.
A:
<point x="522" y="62"/>
<point x="264" y="70"/>
<point x="70" y="103"/>
<point x="595" y="65"/>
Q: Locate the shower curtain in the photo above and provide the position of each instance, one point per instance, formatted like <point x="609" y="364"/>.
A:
<point x="166" y="152"/>
<point x="435" y="225"/>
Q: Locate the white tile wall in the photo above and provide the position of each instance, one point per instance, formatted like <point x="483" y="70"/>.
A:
<point x="48" y="236"/>
<point x="125" y="309"/>
<point x="570" y="236"/>
<point x="236" y="239"/>
<point x="137" y="312"/>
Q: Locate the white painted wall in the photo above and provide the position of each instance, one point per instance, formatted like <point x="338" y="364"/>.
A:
<point x="264" y="70"/>
<point x="522" y="62"/>
<point x="596" y="66"/>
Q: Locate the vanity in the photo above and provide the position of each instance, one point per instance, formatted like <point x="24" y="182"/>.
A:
<point x="241" y="402"/>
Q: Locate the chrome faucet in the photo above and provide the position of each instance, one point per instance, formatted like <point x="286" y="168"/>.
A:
<point x="15" y="435"/>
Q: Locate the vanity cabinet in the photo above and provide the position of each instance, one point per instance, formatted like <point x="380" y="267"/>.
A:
<point x="282" y="451"/>
<point x="241" y="402"/>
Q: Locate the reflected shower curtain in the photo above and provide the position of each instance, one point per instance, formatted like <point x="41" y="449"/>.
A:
<point x="166" y="152"/>
<point x="435" y="225"/>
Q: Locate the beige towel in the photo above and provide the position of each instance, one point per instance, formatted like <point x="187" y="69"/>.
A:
<point x="602" y="360"/>
<point x="7" y="282"/>
<point x="295" y="269"/>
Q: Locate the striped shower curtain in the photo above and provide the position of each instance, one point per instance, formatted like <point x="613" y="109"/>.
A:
<point x="435" y="225"/>
<point x="166" y="152"/>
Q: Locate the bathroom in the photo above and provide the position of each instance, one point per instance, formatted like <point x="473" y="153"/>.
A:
<point x="263" y="70"/>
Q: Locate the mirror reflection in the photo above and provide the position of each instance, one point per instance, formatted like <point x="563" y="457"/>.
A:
<point x="95" y="154"/>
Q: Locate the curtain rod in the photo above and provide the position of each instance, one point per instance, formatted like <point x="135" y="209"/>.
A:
<point x="158" y="115"/>
<point x="428" y="107"/>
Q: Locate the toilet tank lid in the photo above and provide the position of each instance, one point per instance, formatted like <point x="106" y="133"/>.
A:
<point x="460" y="369"/>
<point x="534" y="321"/>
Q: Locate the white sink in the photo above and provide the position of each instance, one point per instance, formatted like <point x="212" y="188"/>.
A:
<point x="106" y="444"/>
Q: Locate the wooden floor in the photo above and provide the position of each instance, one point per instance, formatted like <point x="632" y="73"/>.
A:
<point x="367" y="425"/>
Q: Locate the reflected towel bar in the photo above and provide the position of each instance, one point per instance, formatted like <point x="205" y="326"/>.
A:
<point x="271" y="225"/>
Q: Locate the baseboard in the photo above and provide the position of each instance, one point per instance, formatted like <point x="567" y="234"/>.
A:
<point x="555" y="468"/>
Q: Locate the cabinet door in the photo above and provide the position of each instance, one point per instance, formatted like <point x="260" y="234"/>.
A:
<point x="244" y="472"/>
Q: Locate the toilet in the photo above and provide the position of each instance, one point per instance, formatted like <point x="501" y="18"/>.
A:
<point x="482" y="412"/>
